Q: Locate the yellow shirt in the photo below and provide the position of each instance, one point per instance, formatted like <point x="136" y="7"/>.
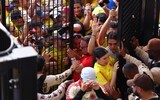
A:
<point x="48" y="23"/>
<point x="104" y="73"/>
<point x="93" y="3"/>
<point x="58" y="56"/>
<point x="104" y="44"/>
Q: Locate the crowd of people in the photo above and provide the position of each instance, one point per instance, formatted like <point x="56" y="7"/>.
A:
<point x="89" y="69"/>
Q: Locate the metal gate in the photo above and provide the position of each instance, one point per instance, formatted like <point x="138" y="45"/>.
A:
<point x="48" y="16"/>
<point x="136" y="18"/>
<point x="40" y="26"/>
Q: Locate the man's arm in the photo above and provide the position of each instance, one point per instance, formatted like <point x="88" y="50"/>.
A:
<point x="142" y="55"/>
<point x="55" y="95"/>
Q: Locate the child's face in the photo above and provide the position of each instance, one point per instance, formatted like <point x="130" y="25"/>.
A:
<point x="103" y="60"/>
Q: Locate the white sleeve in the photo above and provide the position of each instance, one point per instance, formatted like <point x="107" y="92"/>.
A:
<point x="142" y="55"/>
<point x="52" y="80"/>
<point x="141" y="66"/>
<point x="130" y="59"/>
<point x="55" y="95"/>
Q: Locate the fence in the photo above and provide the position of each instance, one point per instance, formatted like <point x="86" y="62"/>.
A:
<point x="42" y="30"/>
<point x="136" y="18"/>
<point x="50" y="39"/>
<point x="47" y="15"/>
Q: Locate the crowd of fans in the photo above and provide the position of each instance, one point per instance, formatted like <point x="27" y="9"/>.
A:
<point x="88" y="70"/>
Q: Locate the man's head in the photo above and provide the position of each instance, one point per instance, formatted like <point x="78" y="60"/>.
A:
<point x="76" y="41"/>
<point x="16" y="18"/>
<point x="88" y="73"/>
<point x="113" y="26"/>
<point x="102" y="17"/>
<point x="84" y="44"/>
<point x="153" y="48"/>
<point x="35" y="28"/>
<point x="130" y="70"/>
<point x="141" y="83"/>
<point x="58" y="41"/>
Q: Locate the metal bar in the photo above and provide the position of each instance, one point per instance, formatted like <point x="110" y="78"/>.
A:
<point x="71" y="18"/>
<point x="3" y="13"/>
<point x="157" y="9"/>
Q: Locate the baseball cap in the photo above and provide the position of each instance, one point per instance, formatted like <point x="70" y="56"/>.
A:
<point x="11" y="6"/>
<point x="88" y="73"/>
<point x="141" y="80"/>
<point x="98" y="10"/>
<point x="153" y="44"/>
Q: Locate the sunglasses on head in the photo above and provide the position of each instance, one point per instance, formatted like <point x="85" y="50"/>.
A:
<point x="77" y="36"/>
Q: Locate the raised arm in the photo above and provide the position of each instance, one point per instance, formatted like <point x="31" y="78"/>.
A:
<point x="92" y="41"/>
<point x="57" y="79"/>
<point x="87" y="18"/>
<point x="105" y="27"/>
<point x="31" y="8"/>
<point x="57" y="94"/>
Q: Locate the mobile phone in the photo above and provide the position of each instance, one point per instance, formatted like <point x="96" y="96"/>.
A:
<point x="101" y="4"/>
<point x="104" y="1"/>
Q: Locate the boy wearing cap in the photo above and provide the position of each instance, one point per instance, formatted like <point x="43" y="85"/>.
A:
<point x="86" y="87"/>
<point x="143" y="86"/>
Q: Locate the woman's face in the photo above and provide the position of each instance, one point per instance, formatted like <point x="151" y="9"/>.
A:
<point x="112" y="44"/>
<point x="103" y="60"/>
<point x="77" y="9"/>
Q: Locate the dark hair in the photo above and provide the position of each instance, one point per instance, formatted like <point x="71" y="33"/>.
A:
<point x="113" y="24"/>
<point x="102" y="3"/>
<point x="145" y="82"/>
<point x="15" y="14"/>
<point x="102" y="17"/>
<point x="34" y="24"/>
<point x="40" y="63"/>
<point x="78" y="1"/>
<point x="86" y="38"/>
<point x="131" y="69"/>
<point x="112" y="35"/>
<point x="98" y="53"/>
